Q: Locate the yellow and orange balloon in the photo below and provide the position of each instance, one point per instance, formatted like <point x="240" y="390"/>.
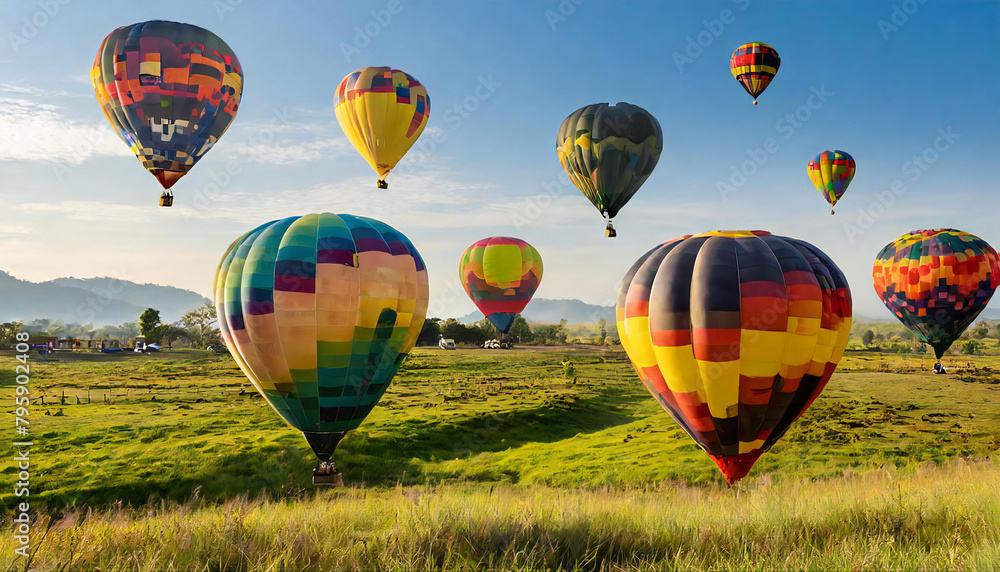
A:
<point x="382" y="111"/>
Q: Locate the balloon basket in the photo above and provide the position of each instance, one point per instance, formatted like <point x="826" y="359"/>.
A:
<point x="166" y="200"/>
<point x="610" y="231"/>
<point x="382" y="184"/>
<point x="327" y="475"/>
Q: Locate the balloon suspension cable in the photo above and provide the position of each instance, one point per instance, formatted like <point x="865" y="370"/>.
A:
<point x="382" y="184"/>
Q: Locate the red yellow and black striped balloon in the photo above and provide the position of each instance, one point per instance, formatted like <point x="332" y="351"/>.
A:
<point x="735" y="333"/>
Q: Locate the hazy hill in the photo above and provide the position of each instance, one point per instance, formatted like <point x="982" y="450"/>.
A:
<point x="101" y="301"/>
<point x="551" y="311"/>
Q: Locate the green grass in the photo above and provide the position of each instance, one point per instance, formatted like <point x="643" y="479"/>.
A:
<point x="163" y="429"/>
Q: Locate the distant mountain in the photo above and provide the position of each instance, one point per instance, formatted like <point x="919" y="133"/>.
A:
<point x="102" y="301"/>
<point x="551" y="311"/>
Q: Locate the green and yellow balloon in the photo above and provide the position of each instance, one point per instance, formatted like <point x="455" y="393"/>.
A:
<point x="319" y="311"/>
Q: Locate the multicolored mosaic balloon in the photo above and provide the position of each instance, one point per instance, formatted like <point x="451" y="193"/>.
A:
<point x="735" y="333"/>
<point x="831" y="172"/>
<point x="382" y="111"/>
<point x="936" y="282"/>
<point x="609" y="152"/>
<point x="319" y="311"/>
<point x="169" y="90"/>
<point x="501" y="274"/>
<point x="754" y="66"/>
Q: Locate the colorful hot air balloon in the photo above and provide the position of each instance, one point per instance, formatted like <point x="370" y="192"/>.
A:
<point x="500" y="274"/>
<point x="319" y="311"/>
<point x="735" y="333"/>
<point x="936" y="282"/>
<point x="382" y="111"/>
<point x="754" y="66"/>
<point x="831" y="172"/>
<point x="609" y="151"/>
<point x="170" y="91"/>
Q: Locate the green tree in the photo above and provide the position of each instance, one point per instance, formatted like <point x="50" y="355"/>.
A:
<point x="430" y="333"/>
<point x="981" y="330"/>
<point x="148" y="321"/>
<point x="970" y="347"/>
<point x="868" y="337"/>
<point x="603" y="325"/>
<point x="490" y="332"/>
<point x="7" y="332"/>
<point x="171" y="333"/>
<point x="521" y="331"/>
<point x="201" y="326"/>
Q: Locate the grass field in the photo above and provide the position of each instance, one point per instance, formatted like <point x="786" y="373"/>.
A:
<point x="512" y="460"/>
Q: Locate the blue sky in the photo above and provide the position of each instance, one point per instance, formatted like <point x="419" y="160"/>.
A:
<point x="908" y="88"/>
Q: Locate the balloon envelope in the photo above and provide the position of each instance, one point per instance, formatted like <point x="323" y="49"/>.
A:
<point x="500" y="274"/>
<point x="831" y="172"/>
<point x="169" y="90"/>
<point x="754" y="66"/>
<point x="382" y="111"/>
<point x="735" y="333"/>
<point x="319" y="311"/>
<point x="609" y="151"/>
<point x="936" y="282"/>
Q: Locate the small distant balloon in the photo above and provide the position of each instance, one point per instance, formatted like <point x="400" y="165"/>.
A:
<point x="500" y="274"/>
<point x="754" y="66"/>
<point x="609" y="151"/>
<point x="831" y="172"/>
<point x="382" y="111"/>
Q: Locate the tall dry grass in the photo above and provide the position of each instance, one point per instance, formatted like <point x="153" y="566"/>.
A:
<point x="931" y="518"/>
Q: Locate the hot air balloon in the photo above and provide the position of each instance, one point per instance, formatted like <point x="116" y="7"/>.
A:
<point x="936" y="282"/>
<point x="382" y="111"/>
<point x="831" y="172"/>
<point x="319" y="311"/>
<point x="754" y="66"/>
<point x="170" y="91"/>
<point x="609" y="151"/>
<point x="500" y="274"/>
<point x="735" y="333"/>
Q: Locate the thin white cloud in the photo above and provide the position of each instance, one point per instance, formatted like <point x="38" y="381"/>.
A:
<point x="91" y="211"/>
<point x="290" y="152"/>
<point x="25" y="89"/>
<point x="14" y="229"/>
<point x="34" y="131"/>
